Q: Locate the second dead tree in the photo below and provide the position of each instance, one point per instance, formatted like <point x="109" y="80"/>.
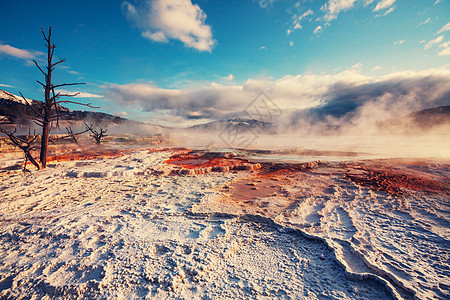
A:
<point x="73" y="136"/>
<point x="97" y="135"/>
<point x="25" y="144"/>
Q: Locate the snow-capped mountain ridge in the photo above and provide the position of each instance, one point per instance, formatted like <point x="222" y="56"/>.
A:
<point x="10" y="96"/>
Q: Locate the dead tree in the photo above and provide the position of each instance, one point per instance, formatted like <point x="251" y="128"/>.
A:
<point x="73" y="136"/>
<point x="49" y="111"/>
<point x="97" y="135"/>
<point x="25" y="144"/>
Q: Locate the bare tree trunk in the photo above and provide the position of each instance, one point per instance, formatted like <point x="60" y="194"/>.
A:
<point x="48" y="101"/>
<point x="44" y="144"/>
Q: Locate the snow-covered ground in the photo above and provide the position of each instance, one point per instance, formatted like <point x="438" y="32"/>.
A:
<point x="124" y="228"/>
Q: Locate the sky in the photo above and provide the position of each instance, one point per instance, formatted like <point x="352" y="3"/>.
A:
<point x="184" y="62"/>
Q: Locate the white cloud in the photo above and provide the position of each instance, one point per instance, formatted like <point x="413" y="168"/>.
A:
<point x="384" y="4"/>
<point x="318" y="29"/>
<point x="446" y="27"/>
<point x="357" y="67"/>
<point x="161" y="20"/>
<point x="437" y="40"/>
<point x="265" y="3"/>
<point x="229" y="77"/>
<point x="307" y="13"/>
<point x="437" y="1"/>
<point x="263" y="48"/>
<point x="205" y="102"/>
<point x="291" y="43"/>
<point x="425" y="22"/>
<point x="386" y="12"/>
<point x="121" y="113"/>
<point x="73" y="72"/>
<point x="333" y="7"/>
<point x="87" y="95"/>
<point x="446" y="50"/>
<point x="6" y="85"/>
<point x="399" y="42"/>
<point x="18" y="53"/>
<point x="296" y="20"/>
<point x="367" y="2"/>
<point x="155" y="36"/>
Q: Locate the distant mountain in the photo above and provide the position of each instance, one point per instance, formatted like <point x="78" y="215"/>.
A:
<point x="7" y="96"/>
<point x="432" y="117"/>
<point x="94" y="117"/>
<point x="237" y="124"/>
<point x="427" y="121"/>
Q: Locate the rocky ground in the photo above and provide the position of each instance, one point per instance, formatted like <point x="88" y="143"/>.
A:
<point x="135" y="225"/>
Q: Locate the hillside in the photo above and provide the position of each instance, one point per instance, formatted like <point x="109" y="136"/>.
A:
<point x="427" y="121"/>
<point x="16" y="110"/>
<point x="432" y="117"/>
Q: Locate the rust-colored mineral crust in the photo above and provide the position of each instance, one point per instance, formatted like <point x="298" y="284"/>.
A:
<point x="397" y="182"/>
<point x="193" y="163"/>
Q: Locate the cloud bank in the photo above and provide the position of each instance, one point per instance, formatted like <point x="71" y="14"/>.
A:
<point x="162" y="20"/>
<point x="348" y="98"/>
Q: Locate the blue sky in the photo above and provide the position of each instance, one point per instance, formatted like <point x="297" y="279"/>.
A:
<point x="180" y="62"/>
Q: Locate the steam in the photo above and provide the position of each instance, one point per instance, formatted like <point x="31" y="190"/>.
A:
<point x="375" y="107"/>
<point x="347" y="111"/>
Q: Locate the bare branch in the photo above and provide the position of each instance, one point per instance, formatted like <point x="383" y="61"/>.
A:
<point x="36" y="113"/>
<point x="68" y="95"/>
<point x="53" y="100"/>
<point x="25" y="99"/>
<point x="37" y="65"/>
<point x="79" y="103"/>
<point x="67" y="84"/>
<point x="57" y="63"/>
<point x="43" y="85"/>
<point x="55" y="96"/>
<point x="49" y="34"/>
<point x="37" y="122"/>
